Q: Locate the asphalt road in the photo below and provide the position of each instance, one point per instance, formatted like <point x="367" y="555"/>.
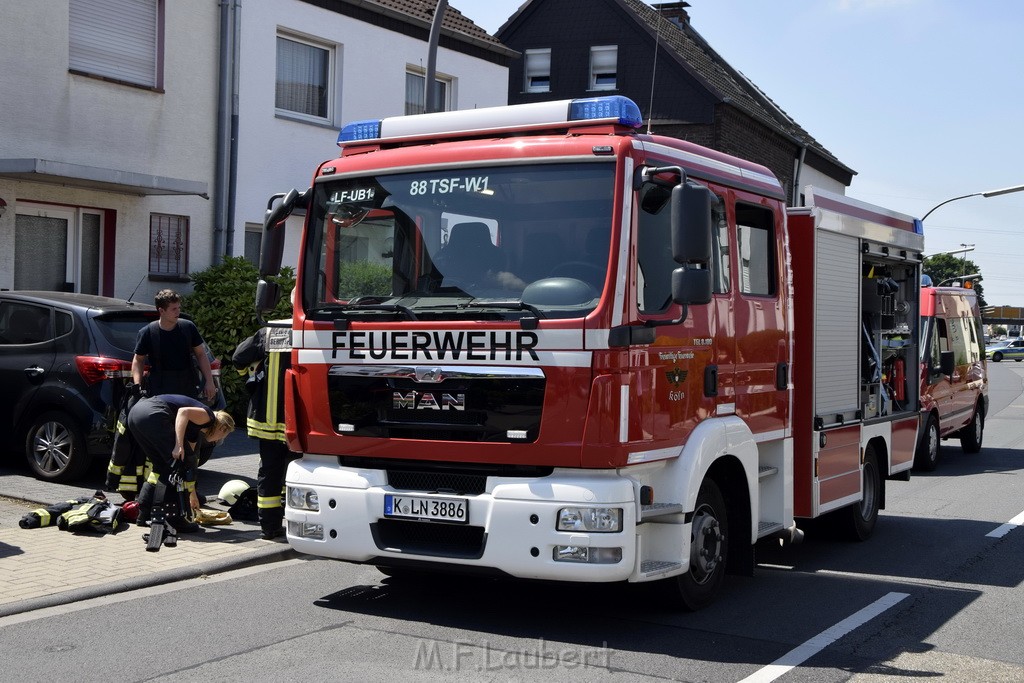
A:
<point x="935" y="593"/>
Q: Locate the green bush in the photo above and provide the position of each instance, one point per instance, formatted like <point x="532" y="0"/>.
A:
<point x="223" y="306"/>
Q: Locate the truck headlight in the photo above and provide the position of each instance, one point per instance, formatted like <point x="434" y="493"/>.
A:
<point x="598" y="520"/>
<point x="301" y="498"/>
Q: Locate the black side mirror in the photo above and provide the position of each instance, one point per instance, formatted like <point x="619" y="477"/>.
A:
<point x="691" y="223"/>
<point x="272" y="242"/>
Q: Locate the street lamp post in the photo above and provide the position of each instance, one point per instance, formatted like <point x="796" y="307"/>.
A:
<point x="962" y="279"/>
<point x="963" y="260"/>
<point x="986" y="194"/>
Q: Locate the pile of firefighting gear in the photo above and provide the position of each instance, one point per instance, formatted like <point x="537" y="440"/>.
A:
<point x="88" y="513"/>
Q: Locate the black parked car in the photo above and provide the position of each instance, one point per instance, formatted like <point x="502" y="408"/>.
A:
<point x="65" y="360"/>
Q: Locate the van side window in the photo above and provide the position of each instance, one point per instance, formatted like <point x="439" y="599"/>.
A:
<point x="974" y="347"/>
<point x="958" y="332"/>
<point x="755" y="234"/>
<point x="940" y="342"/>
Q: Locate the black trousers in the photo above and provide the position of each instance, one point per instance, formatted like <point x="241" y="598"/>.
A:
<point x="274" y="459"/>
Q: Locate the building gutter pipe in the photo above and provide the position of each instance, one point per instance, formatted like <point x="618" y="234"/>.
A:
<point x="221" y="164"/>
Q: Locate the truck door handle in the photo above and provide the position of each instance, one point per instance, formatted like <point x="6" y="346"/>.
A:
<point x="782" y="376"/>
<point x="711" y="380"/>
<point x="34" y="371"/>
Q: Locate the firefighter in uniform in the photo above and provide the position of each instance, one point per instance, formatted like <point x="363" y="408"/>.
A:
<point x="265" y="356"/>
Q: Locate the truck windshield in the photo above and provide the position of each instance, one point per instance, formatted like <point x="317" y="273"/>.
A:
<point x="497" y="242"/>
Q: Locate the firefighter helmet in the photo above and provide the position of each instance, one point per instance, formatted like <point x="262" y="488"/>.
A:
<point x="231" y="490"/>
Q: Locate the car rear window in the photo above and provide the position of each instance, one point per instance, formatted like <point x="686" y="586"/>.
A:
<point x="121" y="329"/>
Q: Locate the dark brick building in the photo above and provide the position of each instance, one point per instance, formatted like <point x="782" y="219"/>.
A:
<point x="586" y="48"/>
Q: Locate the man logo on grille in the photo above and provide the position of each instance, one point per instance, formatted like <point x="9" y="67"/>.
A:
<point x="425" y="400"/>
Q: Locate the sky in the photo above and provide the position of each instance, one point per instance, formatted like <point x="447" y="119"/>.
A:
<point x="924" y="99"/>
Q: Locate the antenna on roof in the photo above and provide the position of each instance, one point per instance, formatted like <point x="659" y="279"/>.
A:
<point x="654" y="72"/>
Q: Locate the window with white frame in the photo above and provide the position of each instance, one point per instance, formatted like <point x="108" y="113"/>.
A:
<point x="253" y="243"/>
<point x="58" y="248"/>
<point x="415" y="93"/>
<point x="304" y="77"/>
<point x="117" y="39"/>
<point x="168" y="246"/>
<point x="603" y="67"/>
<point x="537" y="70"/>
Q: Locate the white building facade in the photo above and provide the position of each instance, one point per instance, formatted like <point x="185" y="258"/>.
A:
<point x="147" y="135"/>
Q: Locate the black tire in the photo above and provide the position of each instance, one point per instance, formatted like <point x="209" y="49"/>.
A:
<point x="996" y="357"/>
<point x="858" y="520"/>
<point x="972" y="435"/>
<point x="55" y="447"/>
<point x="709" y="550"/>
<point x="927" y="455"/>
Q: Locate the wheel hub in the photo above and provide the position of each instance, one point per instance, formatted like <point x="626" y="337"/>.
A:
<point x="706" y="542"/>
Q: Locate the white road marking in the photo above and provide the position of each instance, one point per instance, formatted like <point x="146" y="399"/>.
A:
<point x="802" y="653"/>
<point x="1006" y="528"/>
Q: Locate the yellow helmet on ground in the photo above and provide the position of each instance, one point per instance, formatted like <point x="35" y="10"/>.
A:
<point x="231" y="490"/>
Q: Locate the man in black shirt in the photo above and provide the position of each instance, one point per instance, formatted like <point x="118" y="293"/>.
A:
<point x="169" y="344"/>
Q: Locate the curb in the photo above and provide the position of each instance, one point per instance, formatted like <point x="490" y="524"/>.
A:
<point x="259" y="556"/>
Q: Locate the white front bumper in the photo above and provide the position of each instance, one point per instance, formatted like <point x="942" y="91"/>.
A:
<point x="518" y="517"/>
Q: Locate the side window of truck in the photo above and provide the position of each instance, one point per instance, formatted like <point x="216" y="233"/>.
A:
<point x="719" y="248"/>
<point x="654" y="251"/>
<point x="755" y="234"/>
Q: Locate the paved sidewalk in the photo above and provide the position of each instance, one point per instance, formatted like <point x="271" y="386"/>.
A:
<point x="46" y="567"/>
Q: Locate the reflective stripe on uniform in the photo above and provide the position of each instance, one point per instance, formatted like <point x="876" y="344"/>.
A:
<point x="265" y="430"/>
<point x="267" y="502"/>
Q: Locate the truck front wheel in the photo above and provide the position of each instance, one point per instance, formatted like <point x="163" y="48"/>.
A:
<point x="709" y="549"/>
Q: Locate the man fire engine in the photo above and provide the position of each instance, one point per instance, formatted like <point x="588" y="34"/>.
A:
<point x="531" y="341"/>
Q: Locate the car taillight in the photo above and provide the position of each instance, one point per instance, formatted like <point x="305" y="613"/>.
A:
<point x="97" y="368"/>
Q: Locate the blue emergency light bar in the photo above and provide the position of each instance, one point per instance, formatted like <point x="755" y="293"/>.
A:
<point x="614" y="109"/>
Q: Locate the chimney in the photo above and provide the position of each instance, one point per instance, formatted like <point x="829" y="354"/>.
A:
<point x="674" y="12"/>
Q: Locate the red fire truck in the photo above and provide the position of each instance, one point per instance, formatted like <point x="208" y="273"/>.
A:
<point x="531" y="341"/>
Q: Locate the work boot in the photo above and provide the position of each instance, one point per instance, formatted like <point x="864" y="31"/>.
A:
<point x="145" y="501"/>
<point x="271" y="521"/>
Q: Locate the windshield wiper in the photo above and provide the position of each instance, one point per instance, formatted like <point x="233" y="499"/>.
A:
<point x="527" y="323"/>
<point x="342" y="323"/>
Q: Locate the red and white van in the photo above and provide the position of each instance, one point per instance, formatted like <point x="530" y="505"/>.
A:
<point x="954" y="378"/>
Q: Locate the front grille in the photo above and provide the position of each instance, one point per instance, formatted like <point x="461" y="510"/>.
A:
<point x="477" y="409"/>
<point x="430" y="538"/>
<point x="466" y="484"/>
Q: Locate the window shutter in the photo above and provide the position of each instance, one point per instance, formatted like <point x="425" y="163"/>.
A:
<point x="115" y="38"/>
<point x="538" y="70"/>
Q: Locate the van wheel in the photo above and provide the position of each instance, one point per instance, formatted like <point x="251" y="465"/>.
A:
<point x="972" y="434"/>
<point x="858" y="521"/>
<point x="927" y="455"/>
<point x="709" y="550"/>
<point x="55" y="448"/>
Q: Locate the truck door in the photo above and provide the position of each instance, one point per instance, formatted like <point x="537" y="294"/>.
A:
<point x="761" y="317"/>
